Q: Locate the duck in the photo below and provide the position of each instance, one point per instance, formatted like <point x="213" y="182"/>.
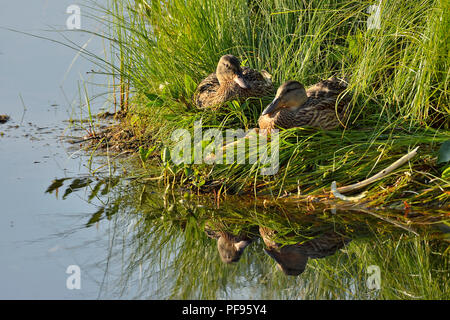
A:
<point x="231" y="82"/>
<point x="294" y="106"/>
<point x="292" y="259"/>
<point x="230" y="246"/>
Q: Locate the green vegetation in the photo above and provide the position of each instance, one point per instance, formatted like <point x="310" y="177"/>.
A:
<point x="158" y="247"/>
<point x="398" y="77"/>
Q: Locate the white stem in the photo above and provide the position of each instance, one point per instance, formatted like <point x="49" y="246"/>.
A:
<point x="377" y="176"/>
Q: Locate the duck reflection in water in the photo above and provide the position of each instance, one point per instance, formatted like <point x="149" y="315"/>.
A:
<point x="292" y="259"/>
<point x="230" y="246"/>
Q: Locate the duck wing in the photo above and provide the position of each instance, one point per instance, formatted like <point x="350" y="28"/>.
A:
<point x="260" y="82"/>
<point x="326" y="89"/>
<point x="319" y="110"/>
<point x="316" y="113"/>
<point x="323" y="246"/>
<point x="207" y="88"/>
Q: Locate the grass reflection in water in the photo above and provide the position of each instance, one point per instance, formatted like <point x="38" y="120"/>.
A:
<point x="181" y="246"/>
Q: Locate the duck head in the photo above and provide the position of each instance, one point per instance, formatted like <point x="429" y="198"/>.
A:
<point x="229" y="70"/>
<point x="290" y="95"/>
<point x="229" y="250"/>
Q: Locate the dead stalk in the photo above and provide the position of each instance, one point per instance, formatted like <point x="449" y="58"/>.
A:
<point x="379" y="175"/>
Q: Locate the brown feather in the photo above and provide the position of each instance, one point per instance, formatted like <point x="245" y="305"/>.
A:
<point x="318" y="111"/>
<point x="210" y="93"/>
<point x="292" y="259"/>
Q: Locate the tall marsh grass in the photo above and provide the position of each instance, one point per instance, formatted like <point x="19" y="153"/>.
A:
<point x="402" y="67"/>
<point x="398" y="76"/>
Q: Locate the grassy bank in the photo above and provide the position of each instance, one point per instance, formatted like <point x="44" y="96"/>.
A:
<point x="398" y="75"/>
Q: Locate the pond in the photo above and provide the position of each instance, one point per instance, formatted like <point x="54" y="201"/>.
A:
<point x="73" y="227"/>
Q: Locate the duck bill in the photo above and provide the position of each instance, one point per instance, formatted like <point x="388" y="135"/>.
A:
<point x="241" y="245"/>
<point x="271" y="107"/>
<point x="239" y="79"/>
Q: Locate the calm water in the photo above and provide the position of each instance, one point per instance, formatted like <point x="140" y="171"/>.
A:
<point x="39" y="234"/>
<point x="132" y="240"/>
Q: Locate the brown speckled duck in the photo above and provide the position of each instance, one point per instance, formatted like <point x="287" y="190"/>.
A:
<point x="292" y="259"/>
<point x="231" y="82"/>
<point x="294" y="106"/>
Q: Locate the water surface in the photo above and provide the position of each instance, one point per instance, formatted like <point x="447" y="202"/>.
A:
<point x="132" y="239"/>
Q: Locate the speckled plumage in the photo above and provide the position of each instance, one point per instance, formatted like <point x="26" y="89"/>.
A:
<point x="318" y="111"/>
<point x="212" y="94"/>
<point x="292" y="259"/>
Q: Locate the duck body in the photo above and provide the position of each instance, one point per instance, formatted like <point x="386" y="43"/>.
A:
<point x="315" y="107"/>
<point x="292" y="259"/>
<point x="231" y="82"/>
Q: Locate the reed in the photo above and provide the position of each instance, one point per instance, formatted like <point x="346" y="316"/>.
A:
<point x="398" y="76"/>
